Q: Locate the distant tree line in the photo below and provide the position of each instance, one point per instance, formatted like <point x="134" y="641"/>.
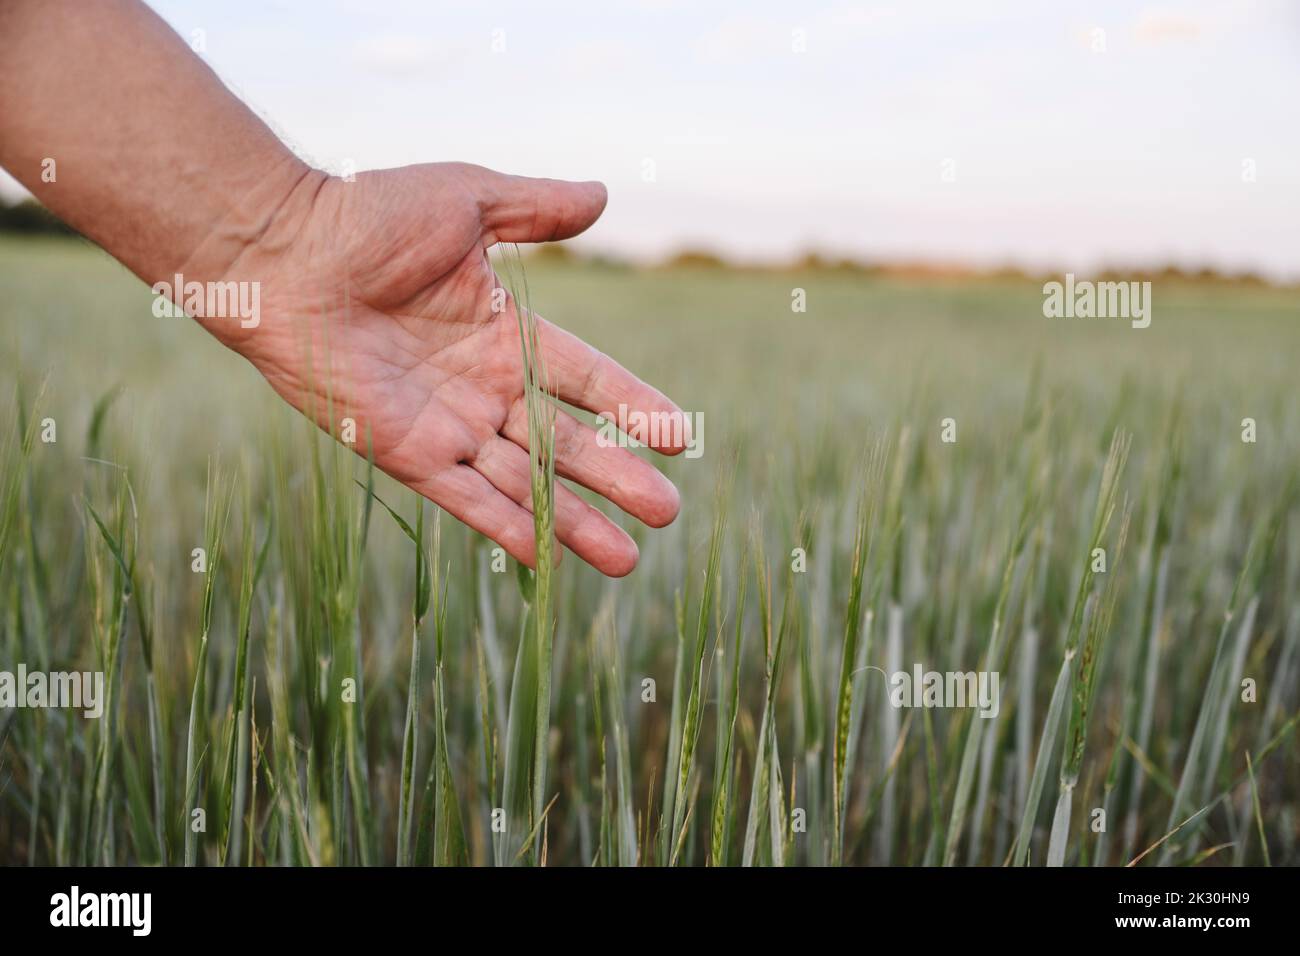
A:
<point x="30" y="218"/>
<point x="707" y="259"/>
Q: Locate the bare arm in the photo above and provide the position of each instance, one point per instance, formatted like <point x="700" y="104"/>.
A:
<point x="154" y="158"/>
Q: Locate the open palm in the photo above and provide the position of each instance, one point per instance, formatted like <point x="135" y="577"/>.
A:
<point x="382" y="299"/>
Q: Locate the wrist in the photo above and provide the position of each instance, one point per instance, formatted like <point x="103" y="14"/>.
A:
<point x="222" y="278"/>
<point x="255" y="222"/>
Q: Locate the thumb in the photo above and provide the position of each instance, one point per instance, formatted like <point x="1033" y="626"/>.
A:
<point x="523" y="209"/>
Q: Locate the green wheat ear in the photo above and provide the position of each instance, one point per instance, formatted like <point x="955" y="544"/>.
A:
<point x="539" y="395"/>
<point x="536" y="589"/>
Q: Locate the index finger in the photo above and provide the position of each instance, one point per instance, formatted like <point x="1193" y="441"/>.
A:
<point x="586" y="377"/>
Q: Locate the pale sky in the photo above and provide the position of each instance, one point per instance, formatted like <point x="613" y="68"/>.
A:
<point x="1073" y="133"/>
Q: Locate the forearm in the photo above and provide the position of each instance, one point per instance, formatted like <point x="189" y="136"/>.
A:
<point x="153" y="158"/>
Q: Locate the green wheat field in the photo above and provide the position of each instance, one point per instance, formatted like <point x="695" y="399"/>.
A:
<point x="350" y="681"/>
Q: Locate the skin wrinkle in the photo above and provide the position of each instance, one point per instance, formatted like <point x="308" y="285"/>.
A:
<point x="505" y="465"/>
<point x="568" y="445"/>
<point x="420" y="361"/>
<point x="439" y="267"/>
<point x="595" y="472"/>
<point x="593" y="377"/>
<point x="415" y="319"/>
<point x="419" y="357"/>
<point x="431" y="394"/>
<point x="223" y="230"/>
<point x="513" y="528"/>
<point x="256" y="235"/>
<point x="311" y="206"/>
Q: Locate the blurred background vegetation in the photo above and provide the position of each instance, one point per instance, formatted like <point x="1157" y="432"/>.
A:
<point x="807" y="416"/>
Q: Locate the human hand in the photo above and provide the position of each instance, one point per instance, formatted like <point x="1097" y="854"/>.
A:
<point x="386" y="283"/>
<point x="377" y="292"/>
